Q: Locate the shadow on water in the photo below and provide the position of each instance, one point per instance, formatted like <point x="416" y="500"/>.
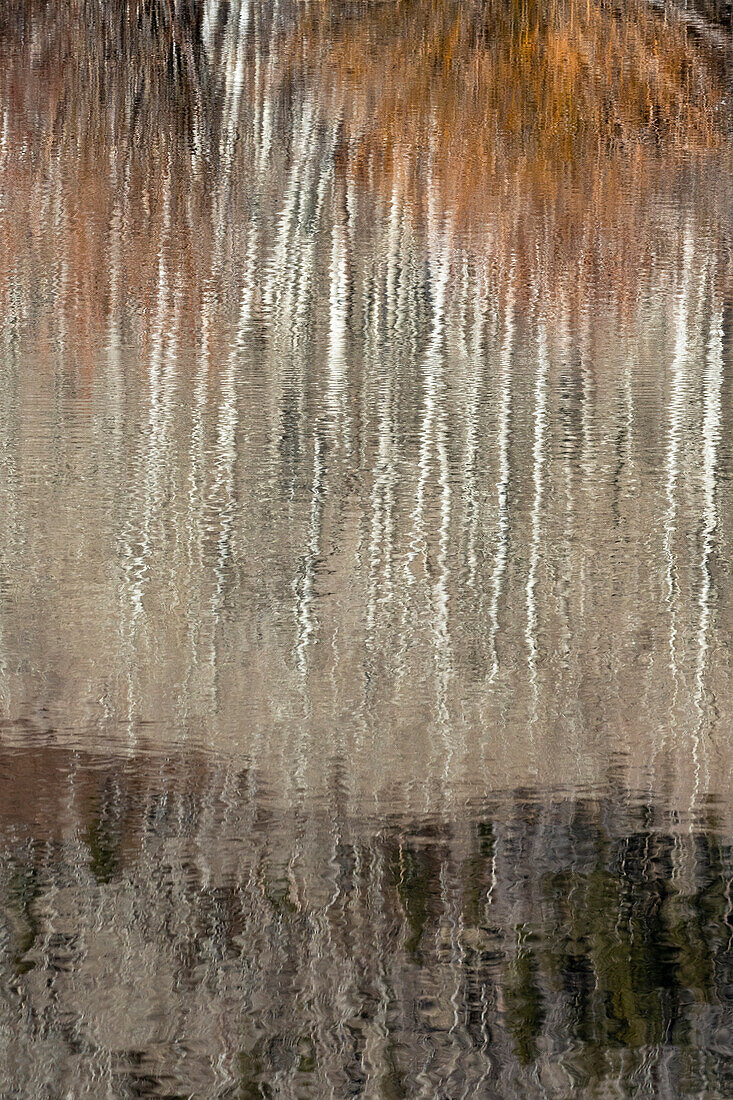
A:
<point x="539" y="945"/>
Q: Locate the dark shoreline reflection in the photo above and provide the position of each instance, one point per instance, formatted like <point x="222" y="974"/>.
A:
<point x="167" y="931"/>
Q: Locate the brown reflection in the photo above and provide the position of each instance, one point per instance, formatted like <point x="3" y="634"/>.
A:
<point x="484" y="98"/>
<point x="530" y="127"/>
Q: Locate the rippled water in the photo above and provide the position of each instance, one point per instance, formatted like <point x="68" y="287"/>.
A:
<point x="365" y="568"/>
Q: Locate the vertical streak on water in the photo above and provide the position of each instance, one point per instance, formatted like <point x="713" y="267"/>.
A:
<point x="8" y="451"/>
<point x="381" y="587"/>
<point x="386" y="360"/>
<point x="410" y="320"/>
<point x="388" y="479"/>
<point x="443" y="643"/>
<point x="433" y="435"/>
<point x="570" y="656"/>
<point x="712" y="386"/>
<point x="371" y="326"/>
<point x="275" y="284"/>
<point x="674" y="435"/>
<point x="297" y="278"/>
<point x="502" y="485"/>
<point x="432" y="389"/>
<point x="265" y="133"/>
<point x="302" y="291"/>
<point x="119" y="190"/>
<point x="196" y="509"/>
<point x="114" y="446"/>
<point x="538" y="480"/>
<point x="473" y="398"/>
<point x="304" y="584"/>
<point x="137" y="537"/>
<point x="222" y="494"/>
<point x="62" y="242"/>
<point x="338" y="297"/>
<point x="382" y="504"/>
<point x="587" y="421"/>
<point x="152" y="461"/>
<point x="234" y="76"/>
<point x="259" y="93"/>
<point x="352" y="304"/>
<point x="297" y="254"/>
<point x="394" y="240"/>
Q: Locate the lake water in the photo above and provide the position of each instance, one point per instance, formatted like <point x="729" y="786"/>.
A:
<point x="366" y="583"/>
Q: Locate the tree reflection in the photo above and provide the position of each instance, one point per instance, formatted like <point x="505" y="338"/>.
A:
<point x="589" y="936"/>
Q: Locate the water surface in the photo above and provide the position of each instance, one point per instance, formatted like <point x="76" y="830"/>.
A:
<point x="365" y="583"/>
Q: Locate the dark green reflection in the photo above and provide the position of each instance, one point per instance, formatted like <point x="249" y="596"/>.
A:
<point x="474" y="955"/>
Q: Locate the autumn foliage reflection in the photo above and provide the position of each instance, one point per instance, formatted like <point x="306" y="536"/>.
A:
<point x="531" y="127"/>
<point x="476" y="91"/>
